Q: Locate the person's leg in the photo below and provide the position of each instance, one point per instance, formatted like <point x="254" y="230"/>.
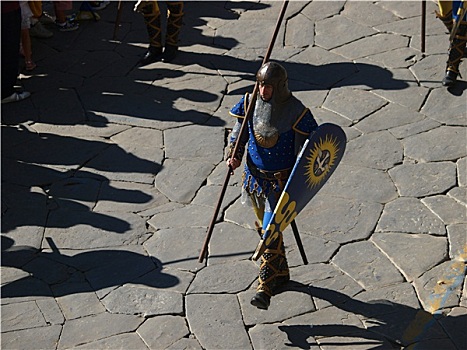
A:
<point x="26" y="46"/>
<point x="445" y="13"/>
<point x="36" y="8"/>
<point x="152" y="18"/>
<point x="456" y="52"/>
<point x="174" y="24"/>
<point x="60" y="8"/>
<point x="11" y="33"/>
<point x="274" y="270"/>
<point x="27" y="49"/>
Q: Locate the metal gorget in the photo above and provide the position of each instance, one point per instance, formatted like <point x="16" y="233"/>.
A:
<point x="272" y="119"/>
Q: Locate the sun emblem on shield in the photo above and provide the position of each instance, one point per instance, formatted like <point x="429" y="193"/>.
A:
<point x="321" y="160"/>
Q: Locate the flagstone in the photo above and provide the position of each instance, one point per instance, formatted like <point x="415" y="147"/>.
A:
<point x="210" y="316"/>
<point x="179" y="180"/>
<point x="287" y="304"/>
<point x="423" y="179"/>
<point x="441" y="287"/>
<point x="379" y="150"/>
<point x="409" y="215"/>
<point x="163" y="331"/>
<point x="371" y="45"/>
<point x="339" y="220"/>
<point x="367" y="265"/>
<point x="436" y="107"/>
<point x="440" y="144"/>
<point x="341" y="101"/>
<point x="462" y="171"/>
<point x="142" y="300"/>
<point x="457" y="241"/>
<point x="229" y="278"/>
<point x="390" y="116"/>
<point x="360" y="184"/>
<point x="408" y="252"/>
<point x="339" y="30"/>
<point x="418" y="127"/>
<point x="448" y="209"/>
<point x="91" y="328"/>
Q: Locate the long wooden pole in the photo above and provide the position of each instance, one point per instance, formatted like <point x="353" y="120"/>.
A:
<point x="118" y="19"/>
<point x="204" y="251"/>
<point x="293" y="224"/>
<point x="457" y="21"/>
<point x="422" y="36"/>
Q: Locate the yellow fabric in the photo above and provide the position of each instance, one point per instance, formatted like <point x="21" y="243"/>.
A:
<point x="36" y="8"/>
<point x="445" y="7"/>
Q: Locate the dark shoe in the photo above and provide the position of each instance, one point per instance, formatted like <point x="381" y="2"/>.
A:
<point x="261" y="300"/>
<point x="170" y="53"/>
<point x="154" y="54"/>
<point x="450" y="78"/>
<point x="16" y="97"/>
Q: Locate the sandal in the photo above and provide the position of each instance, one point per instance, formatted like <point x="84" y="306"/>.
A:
<point x="30" y="65"/>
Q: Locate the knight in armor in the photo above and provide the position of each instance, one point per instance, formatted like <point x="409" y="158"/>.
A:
<point x="152" y="18"/>
<point x="447" y="12"/>
<point x="278" y="128"/>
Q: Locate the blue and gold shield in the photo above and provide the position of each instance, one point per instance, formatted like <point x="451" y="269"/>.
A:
<point x="319" y="157"/>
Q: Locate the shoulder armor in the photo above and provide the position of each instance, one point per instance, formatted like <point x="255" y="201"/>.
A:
<point x="239" y="110"/>
<point x="305" y="123"/>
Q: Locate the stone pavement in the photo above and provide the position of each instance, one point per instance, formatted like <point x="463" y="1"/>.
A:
<point x="110" y="175"/>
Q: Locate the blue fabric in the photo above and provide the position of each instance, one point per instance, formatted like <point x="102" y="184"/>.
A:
<point x="239" y="109"/>
<point x="279" y="157"/>
<point x="455" y="9"/>
<point x="306" y="124"/>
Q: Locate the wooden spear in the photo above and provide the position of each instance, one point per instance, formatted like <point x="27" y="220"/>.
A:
<point x="457" y="21"/>
<point x="118" y="19"/>
<point x="422" y="36"/>
<point x="204" y="251"/>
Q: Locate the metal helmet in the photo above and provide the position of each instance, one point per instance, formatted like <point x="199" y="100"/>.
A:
<point x="272" y="73"/>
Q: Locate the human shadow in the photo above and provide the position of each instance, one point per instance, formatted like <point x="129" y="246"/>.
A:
<point x="47" y="173"/>
<point x="458" y="88"/>
<point x="311" y="77"/>
<point x="51" y="273"/>
<point x="388" y="324"/>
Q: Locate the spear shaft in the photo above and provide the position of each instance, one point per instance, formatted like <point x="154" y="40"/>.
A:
<point x="204" y="251"/>
<point x="457" y="20"/>
<point x="422" y="36"/>
<point x="118" y="19"/>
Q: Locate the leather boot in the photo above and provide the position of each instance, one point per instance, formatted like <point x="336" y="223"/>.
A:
<point x="152" y="17"/>
<point x="456" y="52"/>
<point x="174" y="24"/>
<point x="154" y="54"/>
<point x="274" y="272"/>
<point x="447" y="20"/>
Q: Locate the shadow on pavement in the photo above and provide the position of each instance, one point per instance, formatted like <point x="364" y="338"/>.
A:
<point x="55" y="274"/>
<point x="401" y="325"/>
<point x="44" y="172"/>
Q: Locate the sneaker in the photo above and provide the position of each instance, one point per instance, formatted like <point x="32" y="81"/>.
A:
<point x="45" y="18"/>
<point x="67" y="26"/>
<point x="38" y="31"/>
<point x="99" y="5"/>
<point x="16" y="96"/>
<point x="72" y="17"/>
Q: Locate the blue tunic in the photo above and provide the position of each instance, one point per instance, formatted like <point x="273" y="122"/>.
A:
<point x="281" y="156"/>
